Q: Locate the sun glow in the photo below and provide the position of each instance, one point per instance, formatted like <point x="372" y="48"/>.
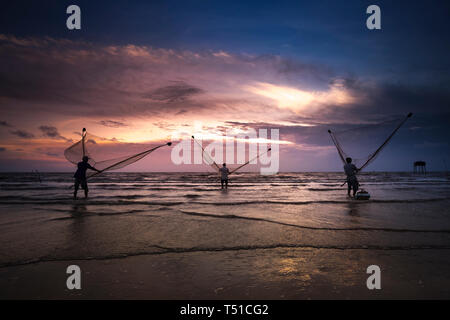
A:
<point x="300" y="100"/>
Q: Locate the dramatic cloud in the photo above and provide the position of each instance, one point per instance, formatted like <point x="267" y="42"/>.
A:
<point x="141" y="94"/>
<point x="112" y="123"/>
<point x="303" y="101"/>
<point x="52" y="132"/>
<point x="22" y="134"/>
<point x="139" y="81"/>
<point x="94" y="80"/>
<point x="4" y="124"/>
<point x="178" y="92"/>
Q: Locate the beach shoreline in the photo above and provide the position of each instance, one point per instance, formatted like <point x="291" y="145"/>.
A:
<point x="280" y="273"/>
<point x="177" y="236"/>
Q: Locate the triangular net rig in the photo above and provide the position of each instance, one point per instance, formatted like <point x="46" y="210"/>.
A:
<point x="364" y="143"/>
<point x="207" y="159"/>
<point x="107" y="154"/>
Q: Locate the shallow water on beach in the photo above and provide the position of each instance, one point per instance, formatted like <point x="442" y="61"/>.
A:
<point x="146" y="213"/>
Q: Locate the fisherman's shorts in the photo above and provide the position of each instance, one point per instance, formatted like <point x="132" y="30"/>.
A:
<point x="353" y="183"/>
<point x="82" y="182"/>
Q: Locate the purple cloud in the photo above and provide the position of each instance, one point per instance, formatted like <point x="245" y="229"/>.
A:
<point x="22" y="134"/>
<point x="112" y="123"/>
<point x="52" y="132"/>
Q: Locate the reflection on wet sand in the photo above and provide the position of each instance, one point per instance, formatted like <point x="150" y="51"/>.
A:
<point x="353" y="210"/>
<point x="78" y="209"/>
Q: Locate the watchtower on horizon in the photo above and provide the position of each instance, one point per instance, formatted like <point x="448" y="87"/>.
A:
<point x="420" y="167"/>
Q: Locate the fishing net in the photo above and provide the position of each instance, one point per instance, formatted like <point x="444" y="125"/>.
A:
<point x="364" y="143"/>
<point x="106" y="154"/>
<point x="208" y="159"/>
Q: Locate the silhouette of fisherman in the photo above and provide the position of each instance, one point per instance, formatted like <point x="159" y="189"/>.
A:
<point x="351" y="171"/>
<point x="80" y="176"/>
<point x="224" y="172"/>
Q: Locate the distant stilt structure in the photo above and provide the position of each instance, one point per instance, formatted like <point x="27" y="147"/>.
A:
<point x="420" y="167"/>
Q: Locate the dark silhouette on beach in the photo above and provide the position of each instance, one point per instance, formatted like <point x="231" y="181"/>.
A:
<point x="224" y="172"/>
<point x="80" y="176"/>
<point x="351" y="171"/>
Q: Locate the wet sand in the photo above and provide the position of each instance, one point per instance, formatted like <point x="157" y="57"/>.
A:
<point x="278" y="273"/>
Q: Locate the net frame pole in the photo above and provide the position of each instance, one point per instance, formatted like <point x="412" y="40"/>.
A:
<point x="243" y="165"/>
<point x="337" y="145"/>
<point x="373" y="155"/>
<point x="385" y="142"/>
<point x="204" y="152"/>
<point x="83" y="135"/>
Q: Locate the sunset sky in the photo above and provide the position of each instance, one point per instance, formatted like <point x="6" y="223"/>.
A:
<point x="142" y="71"/>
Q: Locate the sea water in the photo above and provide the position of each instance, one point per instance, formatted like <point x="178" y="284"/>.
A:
<point x="145" y="213"/>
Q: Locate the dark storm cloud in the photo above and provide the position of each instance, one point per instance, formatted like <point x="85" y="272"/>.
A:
<point x="95" y="80"/>
<point x="309" y="76"/>
<point x="110" y="82"/>
<point x="5" y="124"/>
<point x="177" y="92"/>
<point x="22" y="134"/>
<point x="112" y="123"/>
<point x="387" y="98"/>
<point x="376" y="102"/>
<point x="52" y="132"/>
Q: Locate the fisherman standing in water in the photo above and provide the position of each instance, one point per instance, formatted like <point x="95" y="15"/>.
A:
<point x="224" y="172"/>
<point x="351" y="171"/>
<point x="80" y="176"/>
